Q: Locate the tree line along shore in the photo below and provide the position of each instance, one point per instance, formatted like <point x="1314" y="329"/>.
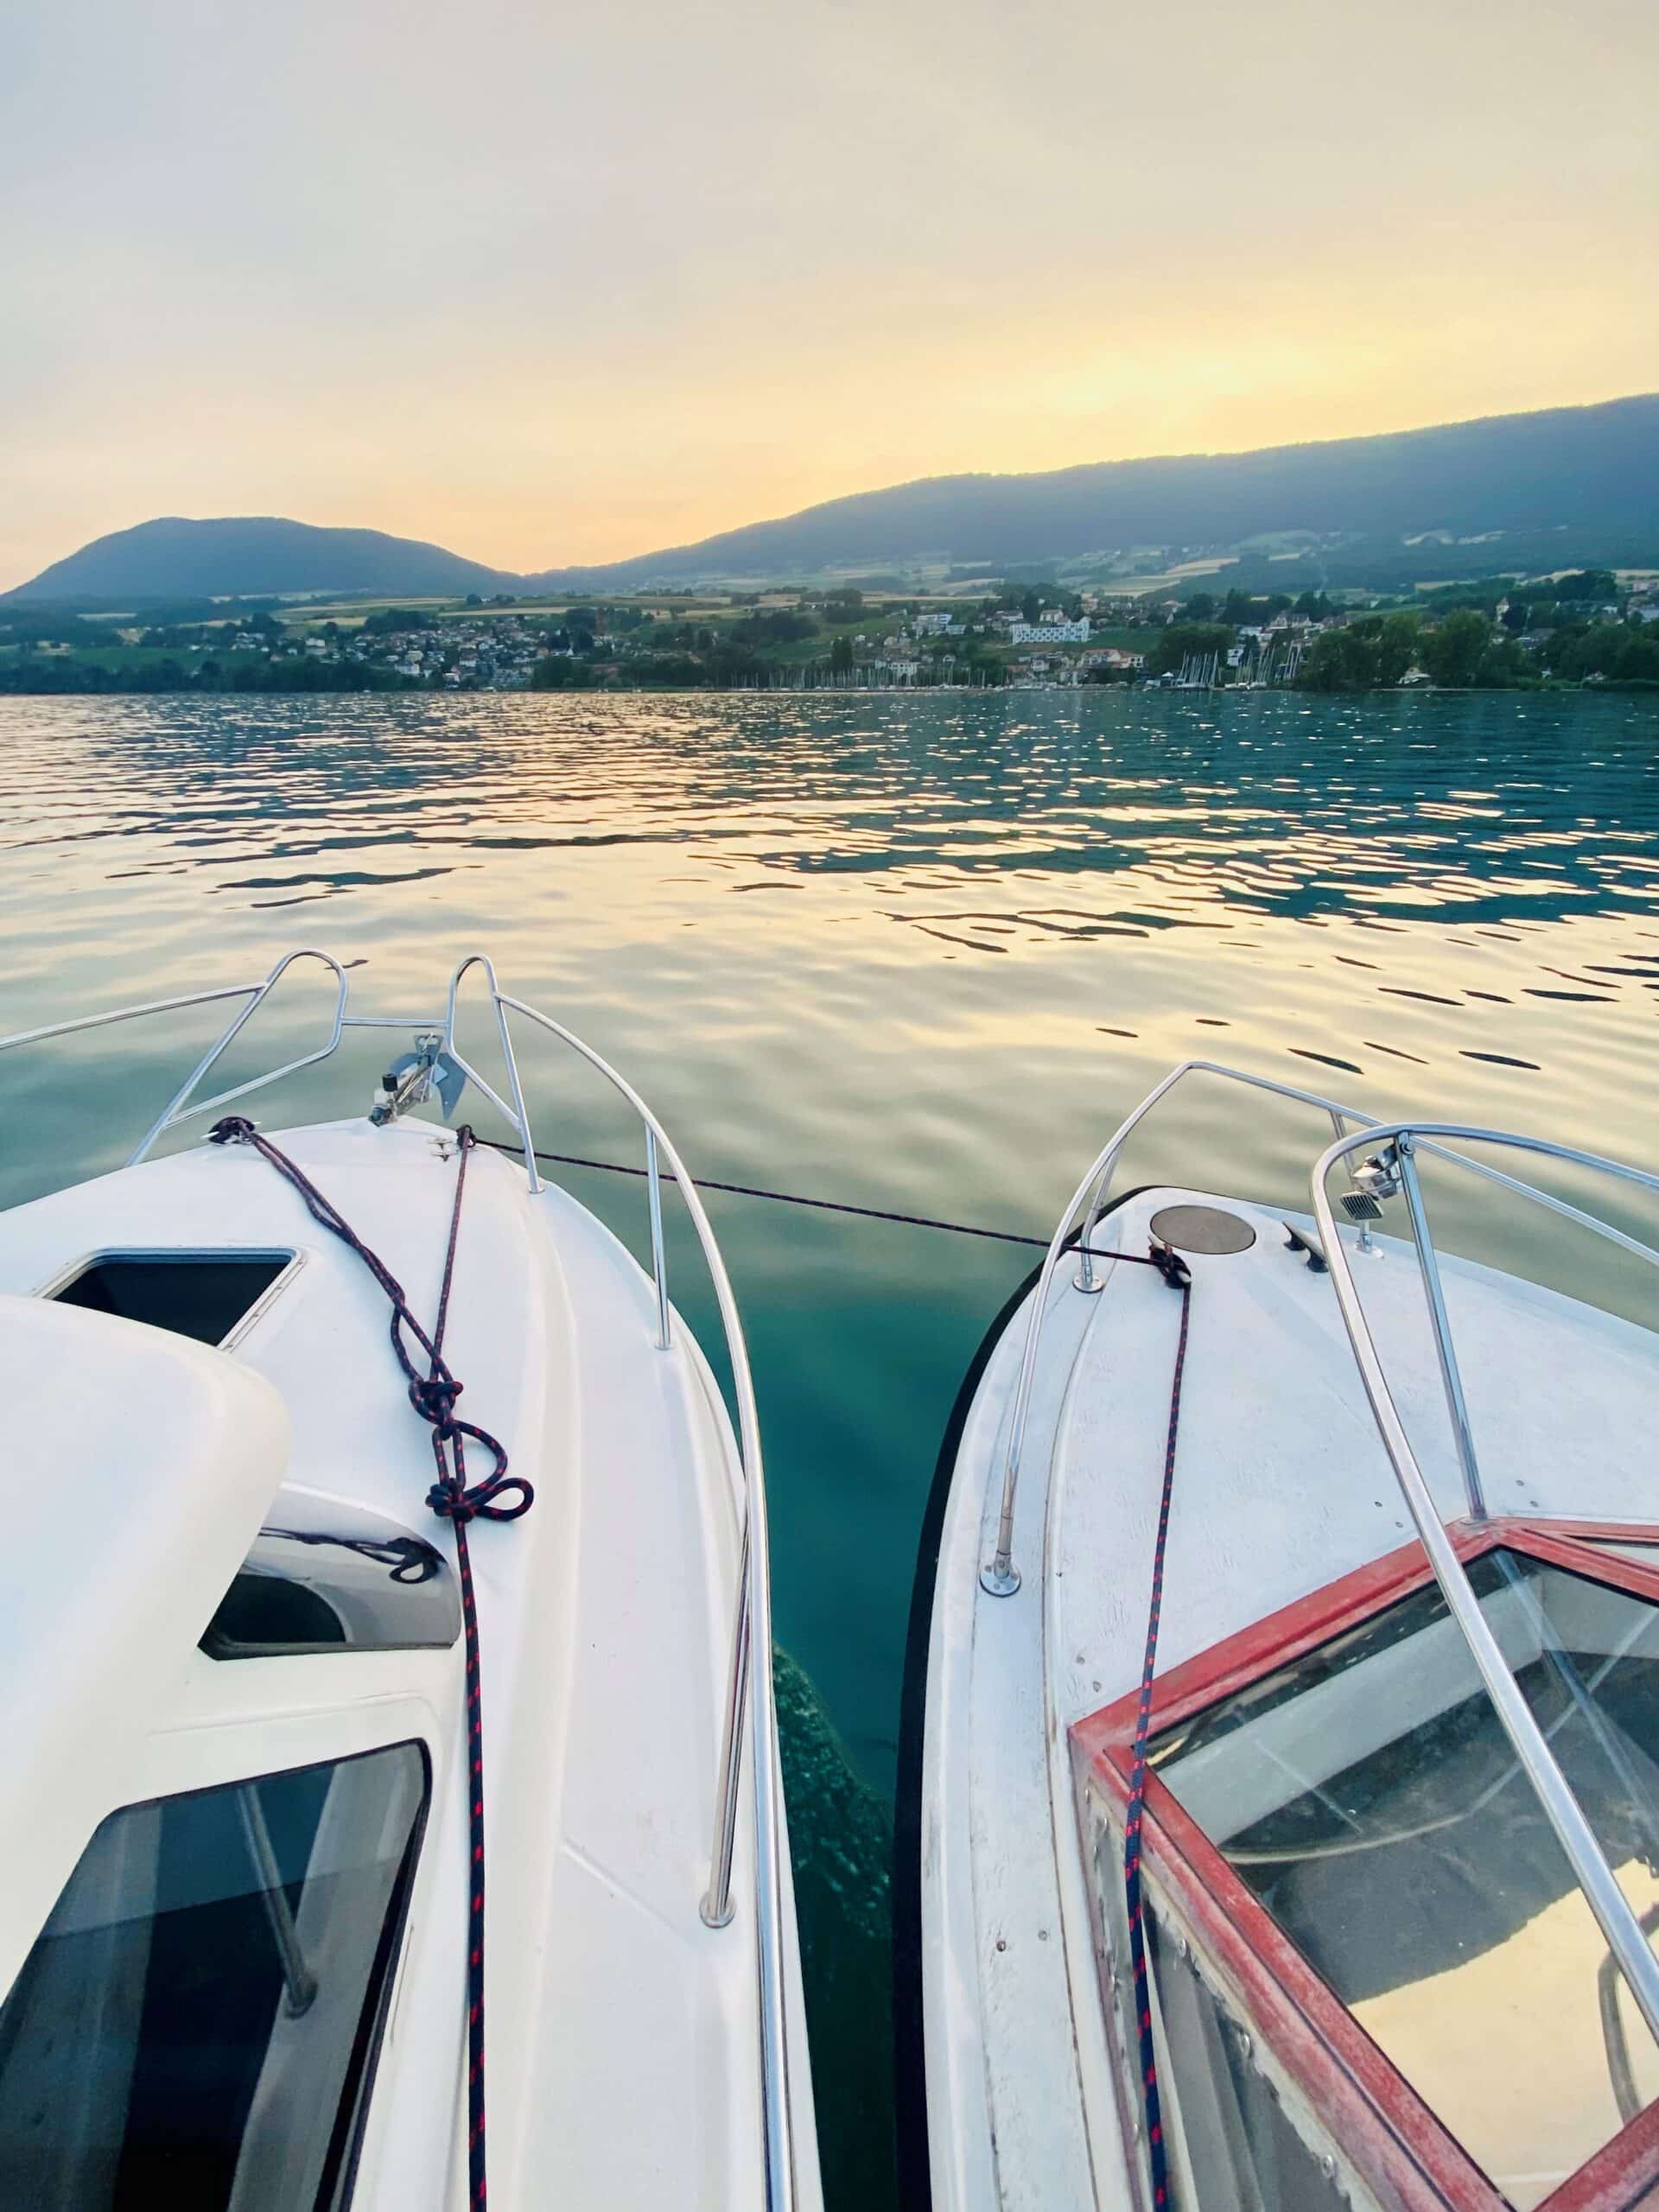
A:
<point x="1587" y="627"/>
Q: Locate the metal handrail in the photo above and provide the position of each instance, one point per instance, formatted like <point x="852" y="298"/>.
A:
<point x="750" y="1678"/>
<point x="1402" y="1141"/>
<point x="998" y="1575"/>
<point x="176" y="1109"/>
<point x="1595" y="1876"/>
<point x="517" y="1112"/>
<point x="749" y="1691"/>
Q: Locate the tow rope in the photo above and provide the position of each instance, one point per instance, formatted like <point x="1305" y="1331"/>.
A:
<point x="1175" y="1272"/>
<point x="433" y="1396"/>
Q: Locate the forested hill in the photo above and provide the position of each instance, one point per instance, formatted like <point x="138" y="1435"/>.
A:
<point x="1592" y="470"/>
<point x="253" y="557"/>
<point x="1562" y="488"/>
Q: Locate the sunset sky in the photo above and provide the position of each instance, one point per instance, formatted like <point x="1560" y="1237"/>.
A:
<point x="549" y="284"/>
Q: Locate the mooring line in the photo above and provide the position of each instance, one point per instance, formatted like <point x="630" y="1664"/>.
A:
<point x="781" y="1198"/>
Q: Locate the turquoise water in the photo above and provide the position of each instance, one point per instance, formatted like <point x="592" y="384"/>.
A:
<point x="913" y="953"/>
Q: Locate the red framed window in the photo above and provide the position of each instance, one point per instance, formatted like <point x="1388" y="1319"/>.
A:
<point x="1335" y="1819"/>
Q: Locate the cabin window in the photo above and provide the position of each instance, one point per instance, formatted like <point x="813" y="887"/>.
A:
<point x="197" y="2023"/>
<point x="1367" y="1794"/>
<point x="345" y="1580"/>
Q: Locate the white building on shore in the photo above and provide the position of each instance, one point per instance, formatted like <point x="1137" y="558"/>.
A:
<point x="1049" y="631"/>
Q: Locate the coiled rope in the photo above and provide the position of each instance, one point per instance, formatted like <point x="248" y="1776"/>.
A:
<point x="433" y="1395"/>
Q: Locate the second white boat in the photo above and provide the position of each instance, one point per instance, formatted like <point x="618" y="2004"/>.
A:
<point x="1280" y="1777"/>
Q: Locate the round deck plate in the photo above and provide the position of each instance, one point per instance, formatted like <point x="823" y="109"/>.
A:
<point x="1202" y="1228"/>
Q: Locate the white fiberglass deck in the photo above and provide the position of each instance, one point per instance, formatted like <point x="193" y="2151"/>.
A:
<point x="1281" y="1486"/>
<point x="623" y="2052"/>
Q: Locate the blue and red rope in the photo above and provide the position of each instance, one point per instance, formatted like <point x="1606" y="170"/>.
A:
<point x="1176" y="1273"/>
<point x="433" y="1395"/>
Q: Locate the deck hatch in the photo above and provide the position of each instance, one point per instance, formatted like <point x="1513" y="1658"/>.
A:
<point x="210" y="1296"/>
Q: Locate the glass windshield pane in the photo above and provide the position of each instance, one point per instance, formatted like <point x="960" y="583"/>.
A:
<point x="1645" y="1555"/>
<point x="1368" y="1795"/>
<point x="195" y="2024"/>
<point x="1238" y="2145"/>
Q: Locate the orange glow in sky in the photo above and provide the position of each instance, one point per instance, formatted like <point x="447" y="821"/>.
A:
<point x="551" y="287"/>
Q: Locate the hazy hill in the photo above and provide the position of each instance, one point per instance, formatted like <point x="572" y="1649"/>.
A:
<point x="1571" y="485"/>
<point x="253" y="555"/>
<point x="1592" y="469"/>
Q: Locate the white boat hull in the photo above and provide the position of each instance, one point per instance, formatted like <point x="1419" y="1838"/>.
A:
<point x="1281" y="1487"/>
<point x="623" y="2056"/>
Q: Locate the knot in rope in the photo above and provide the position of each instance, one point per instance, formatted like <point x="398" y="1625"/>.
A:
<point x="433" y="1397"/>
<point x="235" y="1129"/>
<point x="451" y="1500"/>
<point x="1170" y="1264"/>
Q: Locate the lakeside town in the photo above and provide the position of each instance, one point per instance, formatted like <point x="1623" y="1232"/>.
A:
<point x="1585" y="627"/>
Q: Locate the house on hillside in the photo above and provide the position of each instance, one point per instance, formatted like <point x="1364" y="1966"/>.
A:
<point x="1050" y="631"/>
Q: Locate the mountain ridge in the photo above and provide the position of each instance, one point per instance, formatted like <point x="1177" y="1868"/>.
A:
<point x="1584" y="470"/>
<point x="176" y="551"/>
<point x="1192" y="498"/>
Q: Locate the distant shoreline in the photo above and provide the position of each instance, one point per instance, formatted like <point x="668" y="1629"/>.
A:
<point x="116" y="689"/>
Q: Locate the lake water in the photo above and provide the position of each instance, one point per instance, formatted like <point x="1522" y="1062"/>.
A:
<point x="915" y="952"/>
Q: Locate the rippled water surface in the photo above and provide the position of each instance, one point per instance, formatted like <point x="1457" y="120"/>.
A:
<point x="913" y="953"/>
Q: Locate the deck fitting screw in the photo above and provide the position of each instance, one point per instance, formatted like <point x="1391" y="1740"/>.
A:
<point x="1328" y="2167"/>
<point x="1002" y="1942"/>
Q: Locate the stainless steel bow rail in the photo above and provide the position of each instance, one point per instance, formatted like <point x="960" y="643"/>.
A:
<point x="750" y="1713"/>
<point x="1399" y="1143"/>
<point x="999" y="1575"/>
<point x="1383" y="1156"/>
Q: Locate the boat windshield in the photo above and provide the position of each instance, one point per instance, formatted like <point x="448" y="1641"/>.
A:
<point x="196" y="2024"/>
<point x="1368" y="1795"/>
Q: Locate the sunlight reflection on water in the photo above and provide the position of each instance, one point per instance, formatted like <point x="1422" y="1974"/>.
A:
<point x="916" y="952"/>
